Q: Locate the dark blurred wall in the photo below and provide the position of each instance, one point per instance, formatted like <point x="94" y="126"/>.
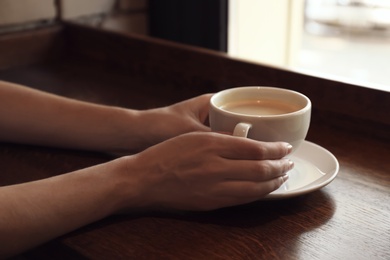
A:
<point x="201" y="23"/>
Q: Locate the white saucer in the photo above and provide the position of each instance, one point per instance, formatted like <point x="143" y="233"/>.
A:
<point x="314" y="168"/>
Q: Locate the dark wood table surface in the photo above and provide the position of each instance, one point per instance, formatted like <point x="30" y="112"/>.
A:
<point x="347" y="219"/>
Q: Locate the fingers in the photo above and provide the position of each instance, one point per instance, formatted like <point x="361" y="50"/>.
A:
<point x="256" y="171"/>
<point x="199" y="106"/>
<point x="202" y="106"/>
<point x="251" y="190"/>
<point x="243" y="148"/>
<point x="193" y="112"/>
<point x="236" y="158"/>
<point x="233" y="193"/>
<point x="210" y="170"/>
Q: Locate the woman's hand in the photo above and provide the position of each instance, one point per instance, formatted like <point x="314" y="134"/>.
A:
<point x="160" y="124"/>
<point x="194" y="171"/>
<point x="191" y="115"/>
<point x="204" y="171"/>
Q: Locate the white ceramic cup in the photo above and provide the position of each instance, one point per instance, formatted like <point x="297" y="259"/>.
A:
<point x="261" y="113"/>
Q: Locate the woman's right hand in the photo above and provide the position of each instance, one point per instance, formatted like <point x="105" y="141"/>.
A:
<point x="205" y="171"/>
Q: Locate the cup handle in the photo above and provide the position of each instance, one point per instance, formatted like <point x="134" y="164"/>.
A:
<point x="242" y="129"/>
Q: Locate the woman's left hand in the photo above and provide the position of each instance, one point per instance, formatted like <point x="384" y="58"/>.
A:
<point x="187" y="116"/>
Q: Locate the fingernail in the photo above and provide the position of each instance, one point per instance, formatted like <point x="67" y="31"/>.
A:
<point x="289" y="148"/>
<point x="285" y="177"/>
<point x="290" y="165"/>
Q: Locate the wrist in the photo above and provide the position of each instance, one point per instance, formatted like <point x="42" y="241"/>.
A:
<point x="127" y="130"/>
<point x="142" y="128"/>
<point x="129" y="185"/>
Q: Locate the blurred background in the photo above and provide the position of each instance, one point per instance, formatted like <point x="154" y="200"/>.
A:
<point x="347" y="40"/>
<point x="342" y="39"/>
<point x="350" y="38"/>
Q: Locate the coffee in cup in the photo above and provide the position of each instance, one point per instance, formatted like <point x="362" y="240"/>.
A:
<point x="262" y="113"/>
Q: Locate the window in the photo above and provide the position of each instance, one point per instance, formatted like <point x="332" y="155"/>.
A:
<point x="342" y="39"/>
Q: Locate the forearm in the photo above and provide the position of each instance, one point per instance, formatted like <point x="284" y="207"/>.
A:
<point x="35" y="212"/>
<point x="35" y="117"/>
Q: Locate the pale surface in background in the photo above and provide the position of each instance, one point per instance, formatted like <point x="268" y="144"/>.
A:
<point x="360" y="58"/>
<point x="13" y="12"/>
<point x="76" y="8"/>
<point x="272" y="32"/>
<point x="265" y="31"/>
<point x="348" y="41"/>
<point x="129" y="16"/>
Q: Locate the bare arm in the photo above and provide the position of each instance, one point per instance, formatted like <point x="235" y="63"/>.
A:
<point x="31" y="116"/>
<point x="192" y="171"/>
<point x="36" y="212"/>
<point x="195" y="171"/>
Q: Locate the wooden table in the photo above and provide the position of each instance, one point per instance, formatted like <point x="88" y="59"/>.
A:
<point x="348" y="219"/>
